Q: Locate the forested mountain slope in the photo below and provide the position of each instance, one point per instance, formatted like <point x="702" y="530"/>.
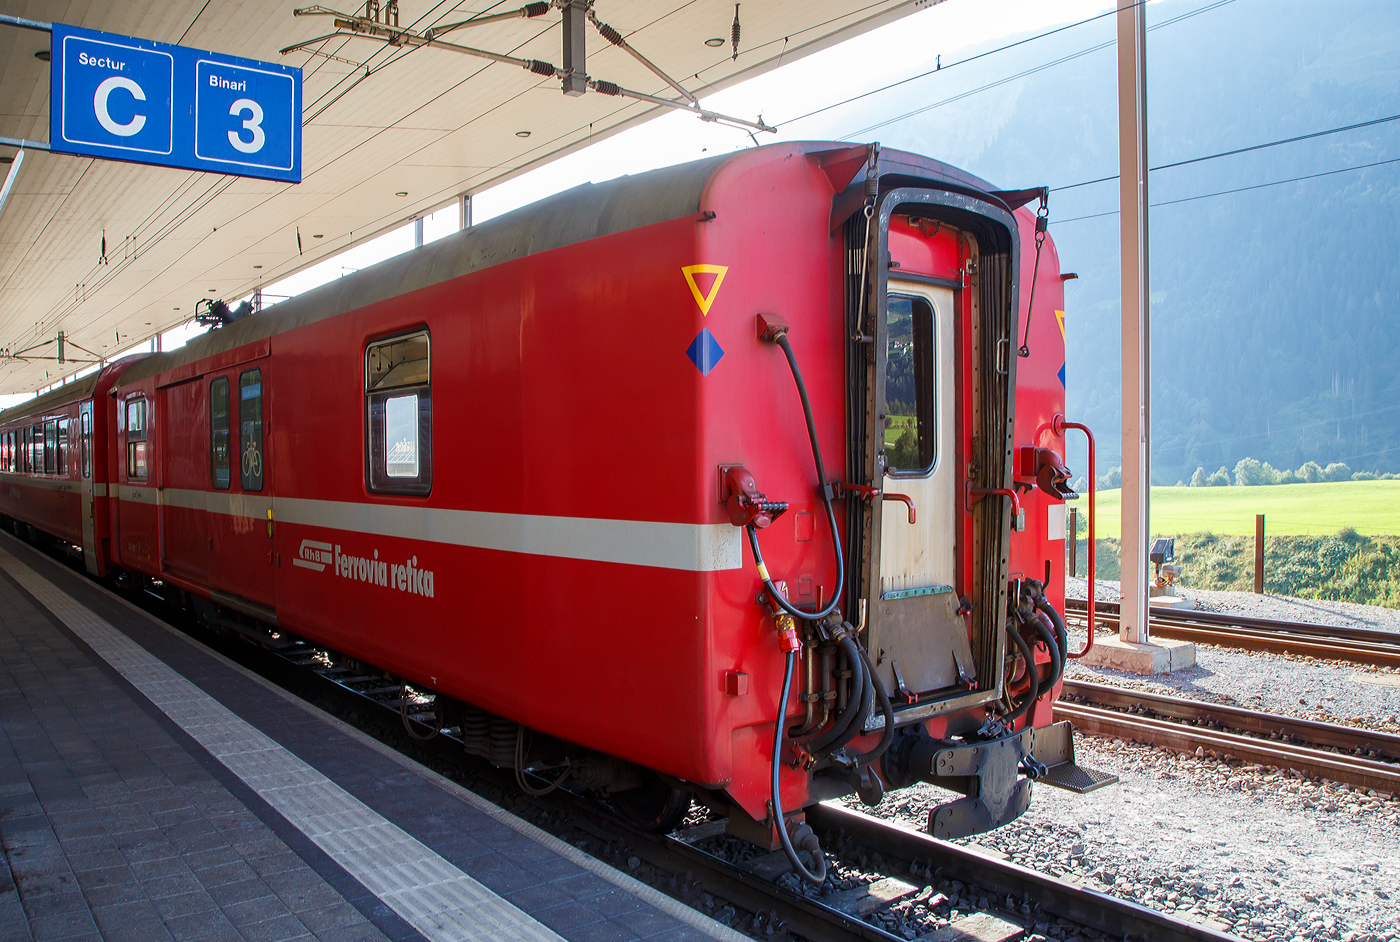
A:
<point x="1276" y="310"/>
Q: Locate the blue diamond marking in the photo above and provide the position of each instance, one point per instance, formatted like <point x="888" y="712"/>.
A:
<point x="1062" y="374"/>
<point x="704" y="351"/>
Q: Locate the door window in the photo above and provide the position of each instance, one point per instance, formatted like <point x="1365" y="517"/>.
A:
<point x="219" y="428"/>
<point x="399" y="414"/>
<point x="63" y="446"/>
<point x="250" y="430"/>
<point x="911" y="413"/>
<point x="136" y="440"/>
<point x="85" y="442"/>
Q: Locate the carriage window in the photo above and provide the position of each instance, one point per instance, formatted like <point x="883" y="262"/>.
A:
<point x="36" y="449"/>
<point x="911" y="426"/>
<point x="399" y="413"/>
<point x="63" y="446"/>
<point x="250" y="430"/>
<point x="219" y="451"/>
<point x="50" y="446"/>
<point x="136" y="440"/>
<point x="85" y="442"/>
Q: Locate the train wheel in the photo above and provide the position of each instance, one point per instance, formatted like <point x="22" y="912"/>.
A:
<point x="653" y="806"/>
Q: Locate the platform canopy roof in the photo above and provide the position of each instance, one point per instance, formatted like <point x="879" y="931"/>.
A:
<point x="379" y="119"/>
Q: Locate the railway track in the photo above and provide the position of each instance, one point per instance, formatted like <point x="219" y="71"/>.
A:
<point x="751" y="891"/>
<point x="1357" y="757"/>
<point x="1335" y="642"/>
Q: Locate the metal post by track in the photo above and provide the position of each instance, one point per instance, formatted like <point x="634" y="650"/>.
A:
<point x="1132" y="200"/>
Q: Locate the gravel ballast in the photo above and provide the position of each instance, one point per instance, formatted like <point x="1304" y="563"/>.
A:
<point x="1244" y="849"/>
<point x="1260" y="852"/>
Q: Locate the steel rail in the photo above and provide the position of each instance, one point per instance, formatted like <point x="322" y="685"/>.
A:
<point x="803" y="916"/>
<point x="1381" y="651"/>
<point x="1079" y="904"/>
<point x="1363" y="742"/>
<point x="1255" y="623"/>
<point x="1348" y="770"/>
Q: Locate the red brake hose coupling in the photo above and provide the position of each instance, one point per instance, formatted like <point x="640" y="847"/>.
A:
<point x="787" y="633"/>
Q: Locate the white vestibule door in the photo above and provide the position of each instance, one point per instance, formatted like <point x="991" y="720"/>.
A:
<point x="920" y="642"/>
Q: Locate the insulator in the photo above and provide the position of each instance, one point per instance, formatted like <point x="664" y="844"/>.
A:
<point x="536" y="9"/>
<point x="735" y="33"/>
<point x="606" y="88"/>
<point x="610" y="34"/>
<point x="542" y="68"/>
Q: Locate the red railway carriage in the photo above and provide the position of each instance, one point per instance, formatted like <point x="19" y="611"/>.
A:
<point x="532" y="467"/>
<point x="53" y="464"/>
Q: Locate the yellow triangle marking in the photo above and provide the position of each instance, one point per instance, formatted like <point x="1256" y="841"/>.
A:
<point x="704" y="300"/>
<point x="1060" y="316"/>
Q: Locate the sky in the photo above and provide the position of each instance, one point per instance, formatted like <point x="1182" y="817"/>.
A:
<point x="907" y="47"/>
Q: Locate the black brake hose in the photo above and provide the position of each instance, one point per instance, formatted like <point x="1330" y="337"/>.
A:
<point x="1034" y="693"/>
<point x="1057" y="659"/>
<point x="825" y="489"/>
<point x="1061" y="632"/>
<point x="886" y="709"/>
<point x="816" y="875"/>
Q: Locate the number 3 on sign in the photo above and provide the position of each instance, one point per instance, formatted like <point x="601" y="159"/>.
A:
<point x="253" y="124"/>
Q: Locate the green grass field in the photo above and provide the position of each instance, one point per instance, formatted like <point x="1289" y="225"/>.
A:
<point x="1369" y="507"/>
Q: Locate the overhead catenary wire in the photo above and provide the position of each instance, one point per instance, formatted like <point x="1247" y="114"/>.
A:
<point x="1242" y="150"/>
<point x="1239" y="189"/>
<point x="989" y="52"/>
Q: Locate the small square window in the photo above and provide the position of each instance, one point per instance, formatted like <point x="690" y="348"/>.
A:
<point x="399" y="414"/>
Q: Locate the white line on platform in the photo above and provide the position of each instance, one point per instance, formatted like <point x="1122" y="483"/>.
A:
<point x="430" y="894"/>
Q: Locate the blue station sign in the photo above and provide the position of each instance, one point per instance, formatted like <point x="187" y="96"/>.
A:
<point x="154" y="103"/>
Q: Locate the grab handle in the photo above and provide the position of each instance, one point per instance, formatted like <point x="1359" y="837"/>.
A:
<point x="1059" y="424"/>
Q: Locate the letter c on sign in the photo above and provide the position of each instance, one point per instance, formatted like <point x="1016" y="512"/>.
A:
<point x="99" y="104"/>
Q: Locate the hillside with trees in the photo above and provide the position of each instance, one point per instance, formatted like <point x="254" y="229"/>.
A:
<point x="1275" y="309"/>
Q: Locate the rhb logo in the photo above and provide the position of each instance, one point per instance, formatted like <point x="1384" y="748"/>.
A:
<point x="314" y="555"/>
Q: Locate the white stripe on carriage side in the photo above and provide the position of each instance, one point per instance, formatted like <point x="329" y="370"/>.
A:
<point x="686" y="546"/>
<point x="50" y="483"/>
<point x="432" y="895"/>
<point x="690" y="547"/>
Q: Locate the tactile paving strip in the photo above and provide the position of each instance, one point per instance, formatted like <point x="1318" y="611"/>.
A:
<point x="432" y="895"/>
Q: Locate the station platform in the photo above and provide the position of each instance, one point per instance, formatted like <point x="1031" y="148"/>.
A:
<point x="151" y="789"/>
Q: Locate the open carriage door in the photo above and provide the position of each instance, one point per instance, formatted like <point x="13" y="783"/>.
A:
<point x="919" y="638"/>
<point x="85" y="459"/>
<point x="931" y="373"/>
